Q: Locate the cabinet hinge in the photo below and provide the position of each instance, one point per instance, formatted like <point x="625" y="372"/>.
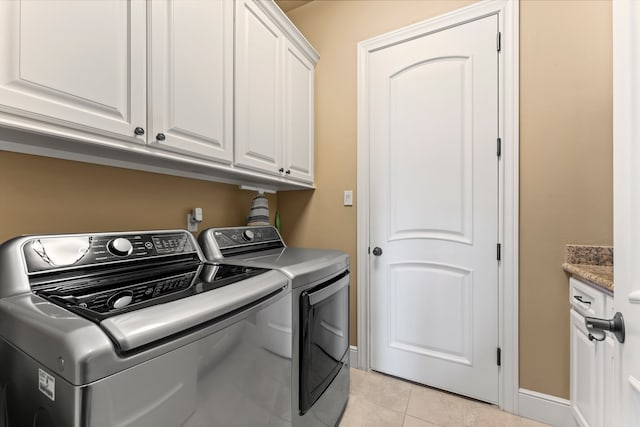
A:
<point x="499" y="147"/>
<point x="499" y="356"/>
<point x="499" y="41"/>
<point x="499" y="252"/>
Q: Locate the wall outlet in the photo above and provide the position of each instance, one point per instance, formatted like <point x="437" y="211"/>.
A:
<point x="348" y="198"/>
<point x="191" y="224"/>
<point x="193" y="219"/>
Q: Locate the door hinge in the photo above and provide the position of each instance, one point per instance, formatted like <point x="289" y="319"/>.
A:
<point x="499" y="41"/>
<point x="499" y="147"/>
<point x="499" y="252"/>
<point x="499" y="358"/>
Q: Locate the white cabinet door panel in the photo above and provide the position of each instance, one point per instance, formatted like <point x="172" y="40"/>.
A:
<point x="191" y="99"/>
<point x="586" y="368"/>
<point x="298" y="115"/>
<point x="82" y="64"/>
<point x="258" y="90"/>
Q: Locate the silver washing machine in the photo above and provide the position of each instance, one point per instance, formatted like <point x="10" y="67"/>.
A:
<point x="314" y="331"/>
<point x="136" y="330"/>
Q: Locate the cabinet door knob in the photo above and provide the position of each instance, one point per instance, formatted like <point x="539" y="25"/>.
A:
<point x="288" y="172"/>
<point x="281" y="170"/>
<point x="139" y="131"/>
<point x="161" y="137"/>
<point x="377" y="251"/>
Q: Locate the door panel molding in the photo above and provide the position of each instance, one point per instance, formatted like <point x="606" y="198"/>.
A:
<point x="408" y="109"/>
<point x="453" y="279"/>
<point x="508" y="12"/>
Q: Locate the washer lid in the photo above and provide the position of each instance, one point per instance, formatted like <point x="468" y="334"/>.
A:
<point x="301" y="265"/>
<point x="141" y="327"/>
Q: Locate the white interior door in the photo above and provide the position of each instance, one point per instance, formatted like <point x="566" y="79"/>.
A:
<point x="434" y="209"/>
<point x="626" y="208"/>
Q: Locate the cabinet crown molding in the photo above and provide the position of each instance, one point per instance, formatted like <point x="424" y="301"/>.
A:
<point x="284" y="23"/>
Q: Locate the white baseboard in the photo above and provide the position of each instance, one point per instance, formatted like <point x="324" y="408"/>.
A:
<point x="353" y="356"/>
<point x="544" y="408"/>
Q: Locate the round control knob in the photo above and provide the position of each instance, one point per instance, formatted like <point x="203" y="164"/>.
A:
<point x="247" y="235"/>
<point x="120" y="246"/>
<point x="121" y="299"/>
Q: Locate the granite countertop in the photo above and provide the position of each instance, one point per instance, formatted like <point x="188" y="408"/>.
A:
<point x="591" y="263"/>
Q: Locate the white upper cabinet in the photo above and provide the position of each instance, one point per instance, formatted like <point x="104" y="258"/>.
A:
<point x="191" y="77"/>
<point x="274" y="93"/>
<point x="298" y="115"/>
<point x="75" y="63"/>
<point x="258" y="89"/>
<point x="213" y="89"/>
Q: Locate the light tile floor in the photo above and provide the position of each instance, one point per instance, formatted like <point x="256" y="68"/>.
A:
<point x="377" y="400"/>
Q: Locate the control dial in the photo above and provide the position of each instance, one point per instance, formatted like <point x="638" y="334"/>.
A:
<point x="247" y="235"/>
<point x="121" y="299"/>
<point x="120" y="247"/>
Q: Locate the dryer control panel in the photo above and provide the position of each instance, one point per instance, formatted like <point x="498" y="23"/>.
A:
<point x="231" y="241"/>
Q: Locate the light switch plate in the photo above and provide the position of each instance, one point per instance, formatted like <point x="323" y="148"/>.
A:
<point x="348" y="198"/>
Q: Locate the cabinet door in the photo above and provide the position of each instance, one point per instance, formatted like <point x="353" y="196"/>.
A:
<point x="611" y="368"/>
<point x="81" y="64"/>
<point x="298" y="115"/>
<point x="586" y="368"/>
<point x="608" y="376"/>
<point x="191" y="99"/>
<point x="258" y="143"/>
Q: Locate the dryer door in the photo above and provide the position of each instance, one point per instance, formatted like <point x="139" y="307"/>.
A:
<point x="324" y="344"/>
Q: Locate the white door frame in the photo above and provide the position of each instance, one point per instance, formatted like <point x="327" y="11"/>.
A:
<point x="626" y="133"/>
<point x="508" y="19"/>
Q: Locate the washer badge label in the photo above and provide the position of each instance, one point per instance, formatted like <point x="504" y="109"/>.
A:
<point x="47" y="384"/>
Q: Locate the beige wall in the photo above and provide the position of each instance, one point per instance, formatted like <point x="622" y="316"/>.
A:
<point x="566" y="151"/>
<point x="566" y="170"/>
<point x="43" y="195"/>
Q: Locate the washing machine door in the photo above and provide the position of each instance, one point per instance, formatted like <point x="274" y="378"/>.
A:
<point x="324" y="343"/>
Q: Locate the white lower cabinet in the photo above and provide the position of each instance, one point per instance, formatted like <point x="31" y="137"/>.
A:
<point x="592" y="361"/>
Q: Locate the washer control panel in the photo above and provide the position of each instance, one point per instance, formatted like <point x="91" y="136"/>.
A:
<point x="60" y="252"/>
<point x="245" y="236"/>
<point x="107" y="301"/>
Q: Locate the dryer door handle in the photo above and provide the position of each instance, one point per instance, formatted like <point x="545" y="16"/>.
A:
<point x="324" y="293"/>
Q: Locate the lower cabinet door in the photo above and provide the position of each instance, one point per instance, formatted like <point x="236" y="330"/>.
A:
<point x="586" y="375"/>
<point x="610" y="372"/>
